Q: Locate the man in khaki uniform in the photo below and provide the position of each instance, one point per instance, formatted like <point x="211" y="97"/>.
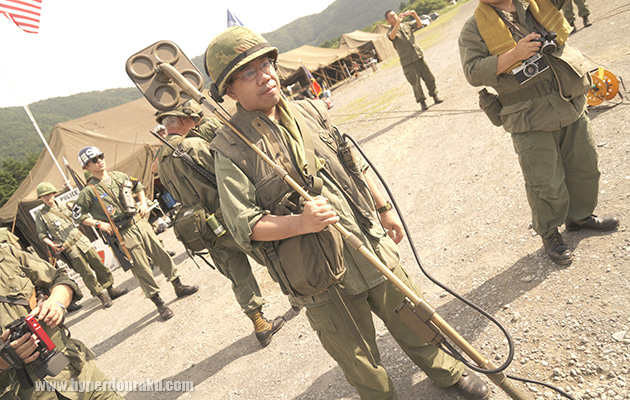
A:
<point x="302" y="252"/>
<point x="411" y="56"/>
<point x="545" y="112"/>
<point x="583" y="12"/>
<point x="55" y="227"/>
<point x="22" y="273"/>
<point x="189" y="187"/>
<point x="137" y="233"/>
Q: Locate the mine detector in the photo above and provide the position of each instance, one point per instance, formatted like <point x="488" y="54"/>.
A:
<point x="167" y="78"/>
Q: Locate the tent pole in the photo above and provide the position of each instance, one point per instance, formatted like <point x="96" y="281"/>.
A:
<point x="28" y="112"/>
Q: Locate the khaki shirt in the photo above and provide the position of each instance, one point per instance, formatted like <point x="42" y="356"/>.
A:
<point x="20" y="273"/>
<point x="207" y="129"/>
<point x="7" y="237"/>
<point x="241" y="210"/>
<point x="56" y="224"/>
<point x="88" y="203"/>
<point x="547" y="113"/>
<point x="405" y="43"/>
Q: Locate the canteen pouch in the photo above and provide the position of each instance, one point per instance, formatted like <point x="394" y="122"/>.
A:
<point x="490" y="104"/>
<point x="191" y="228"/>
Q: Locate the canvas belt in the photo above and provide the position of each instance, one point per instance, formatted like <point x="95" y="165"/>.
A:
<point x="10" y="300"/>
<point x="543" y="88"/>
<point x="127" y="222"/>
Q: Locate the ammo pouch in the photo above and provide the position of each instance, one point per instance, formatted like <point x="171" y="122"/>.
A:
<point x="306" y="265"/>
<point x="491" y="105"/>
<point x="191" y="229"/>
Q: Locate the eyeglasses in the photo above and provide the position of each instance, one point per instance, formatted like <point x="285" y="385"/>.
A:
<point x="95" y="159"/>
<point x="251" y="73"/>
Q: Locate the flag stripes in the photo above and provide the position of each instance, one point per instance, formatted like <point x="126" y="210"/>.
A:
<point x="24" y="13"/>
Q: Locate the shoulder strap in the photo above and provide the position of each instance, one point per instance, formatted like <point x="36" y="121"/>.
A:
<point x="316" y="183"/>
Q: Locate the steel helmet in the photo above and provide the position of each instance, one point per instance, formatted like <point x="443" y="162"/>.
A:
<point x="45" y="188"/>
<point x="229" y="51"/>
<point x="88" y="153"/>
<point x="187" y="109"/>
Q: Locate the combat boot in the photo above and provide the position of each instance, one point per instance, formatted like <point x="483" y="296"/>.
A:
<point x="116" y="293"/>
<point x="437" y="99"/>
<point x="423" y="105"/>
<point x="265" y="329"/>
<point x="593" y="222"/>
<point x="182" y="290"/>
<point x="163" y="310"/>
<point x="472" y="387"/>
<point x="557" y="251"/>
<point x="587" y="23"/>
<point x="105" y="299"/>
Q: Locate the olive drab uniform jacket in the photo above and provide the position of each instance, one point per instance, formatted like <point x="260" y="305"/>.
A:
<point x="88" y="203"/>
<point x="405" y="43"/>
<point x="551" y="100"/>
<point x="249" y="189"/>
<point x="56" y="224"/>
<point x="20" y="274"/>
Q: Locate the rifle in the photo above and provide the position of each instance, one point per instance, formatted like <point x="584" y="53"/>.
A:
<point x="115" y="241"/>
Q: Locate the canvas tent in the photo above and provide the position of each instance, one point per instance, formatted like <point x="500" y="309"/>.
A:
<point x="325" y="64"/>
<point x="365" y="42"/>
<point x="122" y="133"/>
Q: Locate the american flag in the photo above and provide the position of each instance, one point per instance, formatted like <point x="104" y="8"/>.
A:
<point x="25" y="13"/>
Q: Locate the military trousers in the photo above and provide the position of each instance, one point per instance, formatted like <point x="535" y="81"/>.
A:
<point x="143" y="244"/>
<point x="419" y="71"/>
<point x="234" y="265"/>
<point x="381" y="300"/>
<point x="560" y="172"/>
<point x="88" y="264"/>
<point x="569" y="15"/>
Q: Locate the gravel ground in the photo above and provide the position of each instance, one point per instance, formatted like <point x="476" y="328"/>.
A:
<point x="457" y="182"/>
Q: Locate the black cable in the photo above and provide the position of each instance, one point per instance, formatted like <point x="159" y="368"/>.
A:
<point x="456" y="354"/>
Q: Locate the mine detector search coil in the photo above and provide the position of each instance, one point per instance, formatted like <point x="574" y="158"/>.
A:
<point x="165" y="87"/>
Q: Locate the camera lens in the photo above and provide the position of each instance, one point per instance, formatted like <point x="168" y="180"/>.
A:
<point x="530" y="70"/>
<point x="548" y="47"/>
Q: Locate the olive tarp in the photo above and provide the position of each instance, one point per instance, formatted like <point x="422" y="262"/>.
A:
<point x="331" y="66"/>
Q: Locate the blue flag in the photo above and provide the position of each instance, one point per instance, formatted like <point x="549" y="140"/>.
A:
<point x="233" y="20"/>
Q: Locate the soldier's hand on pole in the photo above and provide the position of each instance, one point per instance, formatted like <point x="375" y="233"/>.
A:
<point x="317" y="215"/>
<point x="106" y="227"/>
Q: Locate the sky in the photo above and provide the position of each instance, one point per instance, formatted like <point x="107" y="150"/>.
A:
<point x="82" y="45"/>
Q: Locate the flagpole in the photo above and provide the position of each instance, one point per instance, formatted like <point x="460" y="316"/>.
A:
<point x="39" y="132"/>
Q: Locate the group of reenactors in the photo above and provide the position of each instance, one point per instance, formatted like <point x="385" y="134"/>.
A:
<point x="264" y="219"/>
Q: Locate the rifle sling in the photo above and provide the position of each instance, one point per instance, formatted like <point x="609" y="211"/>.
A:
<point x="111" y="222"/>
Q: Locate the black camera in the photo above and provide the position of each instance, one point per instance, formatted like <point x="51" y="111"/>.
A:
<point x="50" y="362"/>
<point x="530" y="68"/>
<point x="549" y="44"/>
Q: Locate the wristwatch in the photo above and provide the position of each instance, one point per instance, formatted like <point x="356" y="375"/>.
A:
<point x="97" y="224"/>
<point x="386" y="207"/>
<point x="62" y="307"/>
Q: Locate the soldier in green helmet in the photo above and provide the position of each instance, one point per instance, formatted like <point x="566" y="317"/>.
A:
<point x="116" y="191"/>
<point x="56" y="228"/>
<point x="189" y="187"/>
<point x="308" y="258"/>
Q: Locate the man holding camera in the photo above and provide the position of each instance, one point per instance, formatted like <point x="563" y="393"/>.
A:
<point x="110" y="195"/>
<point x="519" y="48"/>
<point x="411" y="56"/>
<point x="22" y="274"/>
